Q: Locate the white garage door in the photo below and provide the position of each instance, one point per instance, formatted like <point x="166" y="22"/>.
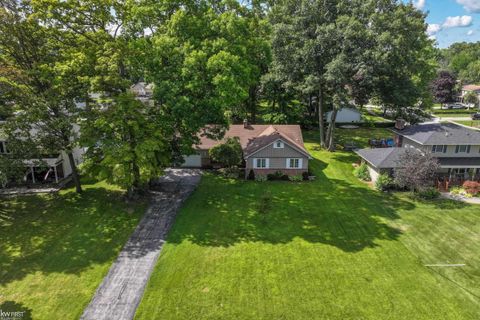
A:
<point x="193" y="161"/>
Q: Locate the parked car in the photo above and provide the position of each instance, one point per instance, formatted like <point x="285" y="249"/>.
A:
<point x="457" y="105"/>
<point x="476" y="116"/>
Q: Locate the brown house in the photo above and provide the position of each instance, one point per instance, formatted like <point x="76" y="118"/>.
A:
<point x="266" y="149"/>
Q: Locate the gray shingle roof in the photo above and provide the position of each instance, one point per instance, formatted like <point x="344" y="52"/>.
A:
<point x="441" y="134"/>
<point x="382" y="158"/>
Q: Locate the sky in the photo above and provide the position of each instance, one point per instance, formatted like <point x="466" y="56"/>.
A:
<point x="451" y="21"/>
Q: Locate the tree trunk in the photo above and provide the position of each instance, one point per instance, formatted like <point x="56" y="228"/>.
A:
<point x="75" y="175"/>
<point x="321" y="125"/>
<point x="252" y="104"/>
<point x="331" y="130"/>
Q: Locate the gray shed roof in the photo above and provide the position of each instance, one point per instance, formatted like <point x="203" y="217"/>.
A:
<point x="382" y="158"/>
<point x="441" y="134"/>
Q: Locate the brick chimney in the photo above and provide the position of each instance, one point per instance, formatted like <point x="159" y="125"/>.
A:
<point x="400" y="124"/>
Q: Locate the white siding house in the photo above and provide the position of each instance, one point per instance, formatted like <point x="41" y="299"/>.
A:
<point x="345" y="115"/>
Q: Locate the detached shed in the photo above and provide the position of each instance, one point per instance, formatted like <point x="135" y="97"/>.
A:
<point x="345" y="115"/>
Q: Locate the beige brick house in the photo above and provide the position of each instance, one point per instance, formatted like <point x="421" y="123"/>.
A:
<point x="266" y="149"/>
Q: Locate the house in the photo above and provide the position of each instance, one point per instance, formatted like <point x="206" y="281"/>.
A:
<point x="470" y="88"/>
<point x="50" y="168"/>
<point x="266" y="149"/>
<point x="457" y="148"/>
<point x="345" y="115"/>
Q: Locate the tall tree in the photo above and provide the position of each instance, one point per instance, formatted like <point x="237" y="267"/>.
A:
<point x="444" y="87"/>
<point x="41" y="81"/>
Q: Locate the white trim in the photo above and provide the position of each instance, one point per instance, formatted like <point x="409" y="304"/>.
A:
<point x="292" y="146"/>
<point x="300" y="163"/>
<point x="267" y="163"/>
<point x="279" y="141"/>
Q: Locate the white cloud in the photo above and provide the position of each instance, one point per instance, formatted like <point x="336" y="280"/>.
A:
<point x="420" y="4"/>
<point x="433" y="29"/>
<point x="470" y="32"/>
<point x="470" y="5"/>
<point x="458" y="21"/>
<point x="432" y="38"/>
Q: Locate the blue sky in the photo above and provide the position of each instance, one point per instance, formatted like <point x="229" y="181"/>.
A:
<point x="451" y="20"/>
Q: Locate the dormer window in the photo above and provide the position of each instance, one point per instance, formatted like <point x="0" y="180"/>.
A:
<point x="278" y="144"/>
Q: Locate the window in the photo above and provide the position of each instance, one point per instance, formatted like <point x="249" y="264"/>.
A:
<point x="278" y="144"/>
<point x="294" y="163"/>
<point x="462" y="149"/>
<point x="439" y="149"/>
<point x="260" y="163"/>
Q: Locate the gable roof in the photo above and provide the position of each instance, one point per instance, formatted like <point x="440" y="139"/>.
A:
<point x="382" y="158"/>
<point x="256" y="137"/>
<point x="441" y="134"/>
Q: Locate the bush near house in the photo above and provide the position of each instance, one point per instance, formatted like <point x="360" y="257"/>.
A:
<point x="471" y="187"/>
<point x="228" y="154"/>
<point x="384" y="182"/>
<point x="361" y="172"/>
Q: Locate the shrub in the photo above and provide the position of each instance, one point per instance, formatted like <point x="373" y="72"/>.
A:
<point x="251" y="175"/>
<point x="228" y="154"/>
<point x="384" y="182"/>
<point x="306" y="176"/>
<point x="457" y="191"/>
<point x="471" y="187"/>
<point x="362" y="173"/>
<point x="260" y="178"/>
<point x="278" y="175"/>
<point x="232" y="172"/>
<point x="296" y="178"/>
<point x="429" y="194"/>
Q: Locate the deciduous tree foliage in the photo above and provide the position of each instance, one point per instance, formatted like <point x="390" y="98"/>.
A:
<point x="444" y="87"/>
<point x="41" y="81"/>
<point x="349" y="51"/>
<point x="416" y="170"/>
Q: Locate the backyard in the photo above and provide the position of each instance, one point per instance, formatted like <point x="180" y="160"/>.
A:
<point x="328" y="249"/>
<point x="55" y="250"/>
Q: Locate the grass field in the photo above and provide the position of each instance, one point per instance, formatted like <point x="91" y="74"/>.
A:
<point x="453" y="113"/>
<point x="328" y="249"/>
<point x="55" y="250"/>
<point x="471" y="123"/>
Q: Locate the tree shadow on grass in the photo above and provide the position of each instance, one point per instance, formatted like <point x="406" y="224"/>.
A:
<point x="62" y="233"/>
<point x="349" y="216"/>
<point x="15" y="310"/>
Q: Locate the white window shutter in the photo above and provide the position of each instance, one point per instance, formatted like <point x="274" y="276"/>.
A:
<point x="287" y="163"/>
<point x="267" y="163"/>
<point x="300" y="163"/>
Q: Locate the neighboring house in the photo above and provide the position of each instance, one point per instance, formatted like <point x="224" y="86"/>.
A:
<point x="50" y="168"/>
<point x="266" y="149"/>
<point x="53" y="168"/>
<point x="471" y="88"/>
<point x="345" y="115"/>
<point x="456" y="147"/>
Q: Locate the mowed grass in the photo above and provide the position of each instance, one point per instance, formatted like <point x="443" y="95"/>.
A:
<point x="453" y="113"/>
<point x="470" y="123"/>
<point x="56" y="249"/>
<point x="328" y="249"/>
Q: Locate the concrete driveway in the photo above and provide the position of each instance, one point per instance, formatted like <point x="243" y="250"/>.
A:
<point x="119" y="294"/>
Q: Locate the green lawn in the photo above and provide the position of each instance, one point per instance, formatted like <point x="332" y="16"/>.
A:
<point x="55" y="250"/>
<point x="453" y="113"/>
<point x="329" y="249"/>
<point x="471" y="123"/>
